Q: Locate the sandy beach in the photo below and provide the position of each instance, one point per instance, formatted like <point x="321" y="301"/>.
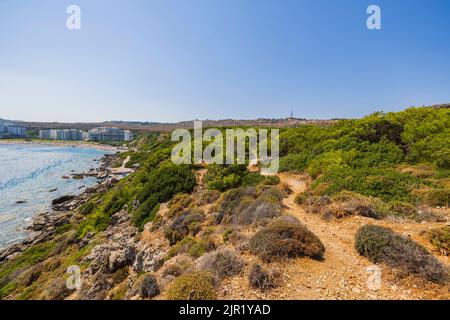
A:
<point x="73" y="144"/>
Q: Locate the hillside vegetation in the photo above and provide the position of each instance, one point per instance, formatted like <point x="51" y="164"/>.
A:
<point x="401" y="158"/>
<point x="204" y="232"/>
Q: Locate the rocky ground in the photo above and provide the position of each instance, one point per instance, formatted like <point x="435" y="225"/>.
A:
<point x="120" y="255"/>
<point x="343" y="274"/>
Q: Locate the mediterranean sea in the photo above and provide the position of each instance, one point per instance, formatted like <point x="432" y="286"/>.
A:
<point x="31" y="176"/>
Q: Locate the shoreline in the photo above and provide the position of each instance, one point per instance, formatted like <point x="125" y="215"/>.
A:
<point x="41" y="226"/>
<point x="53" y="143"/>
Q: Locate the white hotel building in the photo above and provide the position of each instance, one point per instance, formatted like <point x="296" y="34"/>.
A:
<point x="9" y="129"/>
<point x="97" y="134"/>
<point x="66" y="135"/>
<point x="109" y="134"/>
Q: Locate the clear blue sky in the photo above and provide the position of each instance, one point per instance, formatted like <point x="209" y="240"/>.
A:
<point x="170" y="60"/>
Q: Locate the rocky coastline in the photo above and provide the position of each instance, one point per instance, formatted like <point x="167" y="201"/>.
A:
<point x="44" y="226"/>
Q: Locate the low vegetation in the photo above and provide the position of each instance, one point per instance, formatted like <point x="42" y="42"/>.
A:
<point x="440" y="239"/>
<point x="380" y="244"/>
<point x="261" y="279"/>
<point x="226" y="177"/>
<point x="193" y="286"/>
<point x="248" y="206"/>
<point x="390" y="157"/>
<point x="437" y="197"/>
<point x="286" y="238"/>
<point x="147" y="286"/>
<point x="193" y="247"/>
<point x="161" y="185"/>
<point x="187" y="223"/>
<point x="391" y="166"/>
<point x="222" y="263"/>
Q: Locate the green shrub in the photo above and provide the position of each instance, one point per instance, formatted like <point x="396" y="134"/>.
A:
<point x="193" y="286"/>
<point x="87" y="208"/>
<point x="225" y="177"/>
<point x="440" y="238"/>
<point x="162" y="184"/>
<point x="375" y="128"/>
<point x="94" y="222"/>
<point x="271" y="180"/>
<point x="10" y="270"/>
<point x="227" y="233"/>
<point x="179" y="203"/>
<point x="386" y="184"/>
<point x="294" y="162"/>
<point x="147" y="286"/>
<point x="438" y="197"/>
<point x="273" y="194"/>
<point x="371" y="155"/>
<point x="326" y="162"/>
<point x="426" y="132"/>
<point x="185" y="224"/>
<point x="301" y="198"/>
<point x="191" y="246"/>
<point x="380" y="244"/>
<point x="402" y="210"/>
<point x="416" y="135"/>
<point x="252" y="180"/>
<point x="286" y="238"/>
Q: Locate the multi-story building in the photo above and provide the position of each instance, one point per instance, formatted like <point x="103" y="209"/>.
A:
<point x="128" y="135"/>
<point x="76" y="135"/>
<point x="67" y="135"/>
<point x="16" y="131"/>
<point x="97" y="134"/>
<point x="8" y="129"/>
<point x="45" y="134"/>
<point x="110" y="134"/>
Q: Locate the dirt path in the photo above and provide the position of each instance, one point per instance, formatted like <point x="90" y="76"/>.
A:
<point x="122" y="170"/>
<point x="343" y="274"/>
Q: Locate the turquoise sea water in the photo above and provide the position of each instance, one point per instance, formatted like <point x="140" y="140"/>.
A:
<point x="28" y="173"/>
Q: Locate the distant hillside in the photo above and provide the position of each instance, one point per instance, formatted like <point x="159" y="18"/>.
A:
<point x="164" y="127"/>
<point x="440" y="106"/>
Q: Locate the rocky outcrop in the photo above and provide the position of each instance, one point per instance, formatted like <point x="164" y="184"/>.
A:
<point x="62" y="199"/>
<point x="149" y="260"/>
<point x="118" y="252"/>
<point x="46" y="221"/>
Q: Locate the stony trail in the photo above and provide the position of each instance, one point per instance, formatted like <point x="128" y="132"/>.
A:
<point x="343" y="274"/>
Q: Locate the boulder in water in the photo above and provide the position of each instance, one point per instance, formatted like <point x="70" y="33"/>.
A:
<point x="62" y="199"/>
